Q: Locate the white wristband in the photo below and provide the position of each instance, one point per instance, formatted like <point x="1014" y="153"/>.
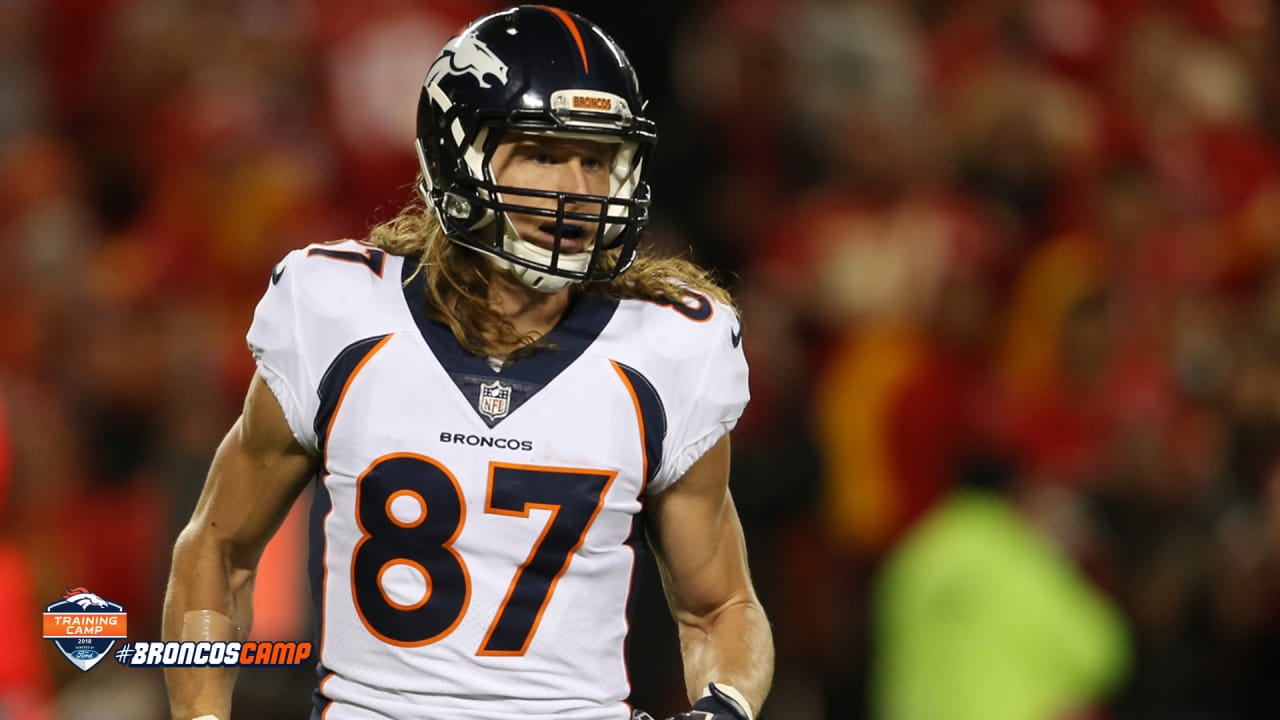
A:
<point x="206" y="717"/>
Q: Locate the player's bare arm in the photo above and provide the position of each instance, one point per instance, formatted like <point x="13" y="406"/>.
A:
<point x="256" y="474"/>
<point x="697" y="538"/>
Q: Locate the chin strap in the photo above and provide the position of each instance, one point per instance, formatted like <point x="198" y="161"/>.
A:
<point x="535" y="279"/>
<point x="531" y="277"/>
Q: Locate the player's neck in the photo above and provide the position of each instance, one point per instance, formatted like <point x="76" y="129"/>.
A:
<point x="528" y="310"/>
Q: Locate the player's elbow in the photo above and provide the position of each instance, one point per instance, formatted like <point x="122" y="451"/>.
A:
<point x="702" y="617"/>
<point x="201" y="550"/>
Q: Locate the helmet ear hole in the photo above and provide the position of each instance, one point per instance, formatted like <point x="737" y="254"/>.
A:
<point x="457" y="206"/>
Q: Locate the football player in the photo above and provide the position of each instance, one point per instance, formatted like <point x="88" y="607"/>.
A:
<point x="499" y="399"/>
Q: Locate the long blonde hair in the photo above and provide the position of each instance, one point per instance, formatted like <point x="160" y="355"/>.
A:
<point x="457" y="280"/>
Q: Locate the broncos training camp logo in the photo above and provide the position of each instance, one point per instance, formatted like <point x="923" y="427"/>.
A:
<point x="84" y="626"/>
<point x="468" y="56"/>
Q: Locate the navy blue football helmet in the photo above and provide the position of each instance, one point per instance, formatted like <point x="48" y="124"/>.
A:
<point x="538" y="70"/>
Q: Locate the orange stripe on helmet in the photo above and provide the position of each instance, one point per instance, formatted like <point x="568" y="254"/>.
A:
<point x="573" y="29"/>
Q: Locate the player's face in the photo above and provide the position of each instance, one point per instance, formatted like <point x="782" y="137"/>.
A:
<point x="558" y="165"/>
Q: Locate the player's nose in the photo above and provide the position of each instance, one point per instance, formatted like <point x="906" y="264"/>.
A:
<point x="572" y="177"/>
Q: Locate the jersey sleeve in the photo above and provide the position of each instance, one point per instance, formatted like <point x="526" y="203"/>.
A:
<point x="710" y="395"/>
<point x="276" y="339"/>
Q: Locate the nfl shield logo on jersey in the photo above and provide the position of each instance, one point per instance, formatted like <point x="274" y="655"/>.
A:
<point x="495" y="399"/>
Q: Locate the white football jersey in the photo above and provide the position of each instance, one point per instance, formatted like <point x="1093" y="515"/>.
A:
<point x="474" y="531"/>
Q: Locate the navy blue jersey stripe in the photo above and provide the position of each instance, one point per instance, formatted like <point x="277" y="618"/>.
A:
<point x="334" y="382"/>
<point x="321" y="504"/>
<point x="640" y="558"/>
<point x="333" y="386"/>
<point x="319" y="702"/>
<point x="653" y="417"/>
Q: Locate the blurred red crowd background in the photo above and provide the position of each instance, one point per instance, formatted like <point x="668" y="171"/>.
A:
<point x="1044" y="232"/>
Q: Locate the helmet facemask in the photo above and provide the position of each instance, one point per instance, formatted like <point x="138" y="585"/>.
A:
<point x="474" y="209"/>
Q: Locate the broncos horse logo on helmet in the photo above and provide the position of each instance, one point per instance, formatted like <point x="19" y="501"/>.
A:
<point x="468" y="56"/>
